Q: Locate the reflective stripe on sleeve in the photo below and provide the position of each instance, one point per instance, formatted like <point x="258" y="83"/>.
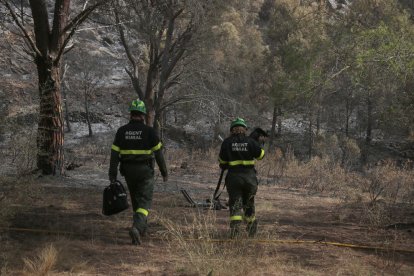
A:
<point x="261" y="155"/>
<point x="157" y="147"/>
<point x="142" y="211"/>
<point x="115" y="148"/>
<point x="233" y="218"/>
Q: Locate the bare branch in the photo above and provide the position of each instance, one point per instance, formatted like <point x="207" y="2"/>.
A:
<point x="75" y="22"/>
<point x="72" y="26"/>
<point x="123" y="40"/>
<point x="69" y="48"/>
<point x="135" y="83"/>
<point x="24" y="31"/>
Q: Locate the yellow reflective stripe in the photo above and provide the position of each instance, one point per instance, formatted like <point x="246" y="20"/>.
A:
<point x="157" y="147"/>
<point x="141" y="152"/>
<point x="222" y="161"/>
<point x="250" y="219"/>
<point x="115" y="148"/>
<point x="241" y="162"/>
<point x="236" y="218"/>
<point x="261" y="155"/>
<point x="136" y="152"/>
<point x="142" y="211"/>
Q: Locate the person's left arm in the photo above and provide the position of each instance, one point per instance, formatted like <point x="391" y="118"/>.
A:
<point x="258" y="151"/>
<point x="156" y="147"/>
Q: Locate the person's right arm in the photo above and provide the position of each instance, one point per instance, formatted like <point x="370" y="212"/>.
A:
<point x="114" y="160"/>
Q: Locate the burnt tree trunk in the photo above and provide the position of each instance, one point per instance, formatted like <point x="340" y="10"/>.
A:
<point x="66" y="107"/>
<point x="368" y="137"/>
<point x="50" y="44"/>
<point x="318" y="120"/>
<point x="279" y="122"/>
<point x="273" y="129"/>
<point x="310" y="146"/>
<point x="50" y="133"/>
<point x="347" y="116"/>
<point x="368" y="133"/>
<point x="88" y="119"/>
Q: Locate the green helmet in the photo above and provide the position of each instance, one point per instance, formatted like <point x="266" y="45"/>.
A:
<point x="238" y="122"/>
<point x="138" y="105"/>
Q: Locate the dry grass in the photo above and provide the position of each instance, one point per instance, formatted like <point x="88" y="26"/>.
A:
<point x="22" y="152"/>
<point x="188" y="234"/>
<point x="379" y="192"/>
<point x="325" y="175"/>
<point x="42" y="264"/>
<point x="207" y="251"/>
<point x="16" y="193"/>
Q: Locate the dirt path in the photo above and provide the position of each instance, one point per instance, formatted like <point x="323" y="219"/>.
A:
<point x="68" y="216"/>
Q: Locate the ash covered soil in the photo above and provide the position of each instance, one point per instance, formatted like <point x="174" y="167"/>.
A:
<point x="65" y="212"/>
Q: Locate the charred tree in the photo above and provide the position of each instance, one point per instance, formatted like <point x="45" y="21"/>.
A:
<point x="169" y="27"/>
<point x="47" y="45"/>
<point x="273" y="129"/>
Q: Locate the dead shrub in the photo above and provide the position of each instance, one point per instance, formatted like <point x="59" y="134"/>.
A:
<point x="42" y="264"/>
<point x="317" y="175"/>
<point x="375" y="214"/>
<point x="22" y="151"/>
<point x="390" y="183"/>
<point x="327" y="146"/>
<point x="272" y="168"/>
<point x="210" y="155"/>
<point x="192" y="161"/>
<point x="351" y="153"/>
<point x="176" y="157"/>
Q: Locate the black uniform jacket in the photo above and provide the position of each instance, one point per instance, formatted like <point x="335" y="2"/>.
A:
<point x="239" y="152"/>
<point x="135" y="142"/>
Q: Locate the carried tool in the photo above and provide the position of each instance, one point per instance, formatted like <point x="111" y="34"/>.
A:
<point x="114" y="199"/>
<point x="217" y="195"/>
<point x="213" y="203"/>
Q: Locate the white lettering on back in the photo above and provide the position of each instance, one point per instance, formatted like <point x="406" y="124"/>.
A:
<point x="133" y="135"/>
<point x="239" y="146"/>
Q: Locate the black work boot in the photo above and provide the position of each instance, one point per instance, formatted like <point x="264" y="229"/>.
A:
<point x="234" y="229"/>
<point x="252" y="228"/>
<point x="234" y="233"/>
<point x="135" y="236"/>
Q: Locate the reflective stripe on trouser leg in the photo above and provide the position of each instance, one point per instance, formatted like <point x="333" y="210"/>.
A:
<point x="140" y="219"/>
<point x="235" y="222"/>
<point x="249" y="219"/>
<point x="142" y="211"/>
<point x="236" y="218"/>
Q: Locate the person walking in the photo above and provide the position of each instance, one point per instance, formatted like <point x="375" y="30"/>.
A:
<point x="238" y="154"/>
<point x="135" y="147"/>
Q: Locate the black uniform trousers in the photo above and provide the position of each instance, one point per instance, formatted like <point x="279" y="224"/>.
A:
<point x="241" y="187"/>
<point x="140" y="180"/>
